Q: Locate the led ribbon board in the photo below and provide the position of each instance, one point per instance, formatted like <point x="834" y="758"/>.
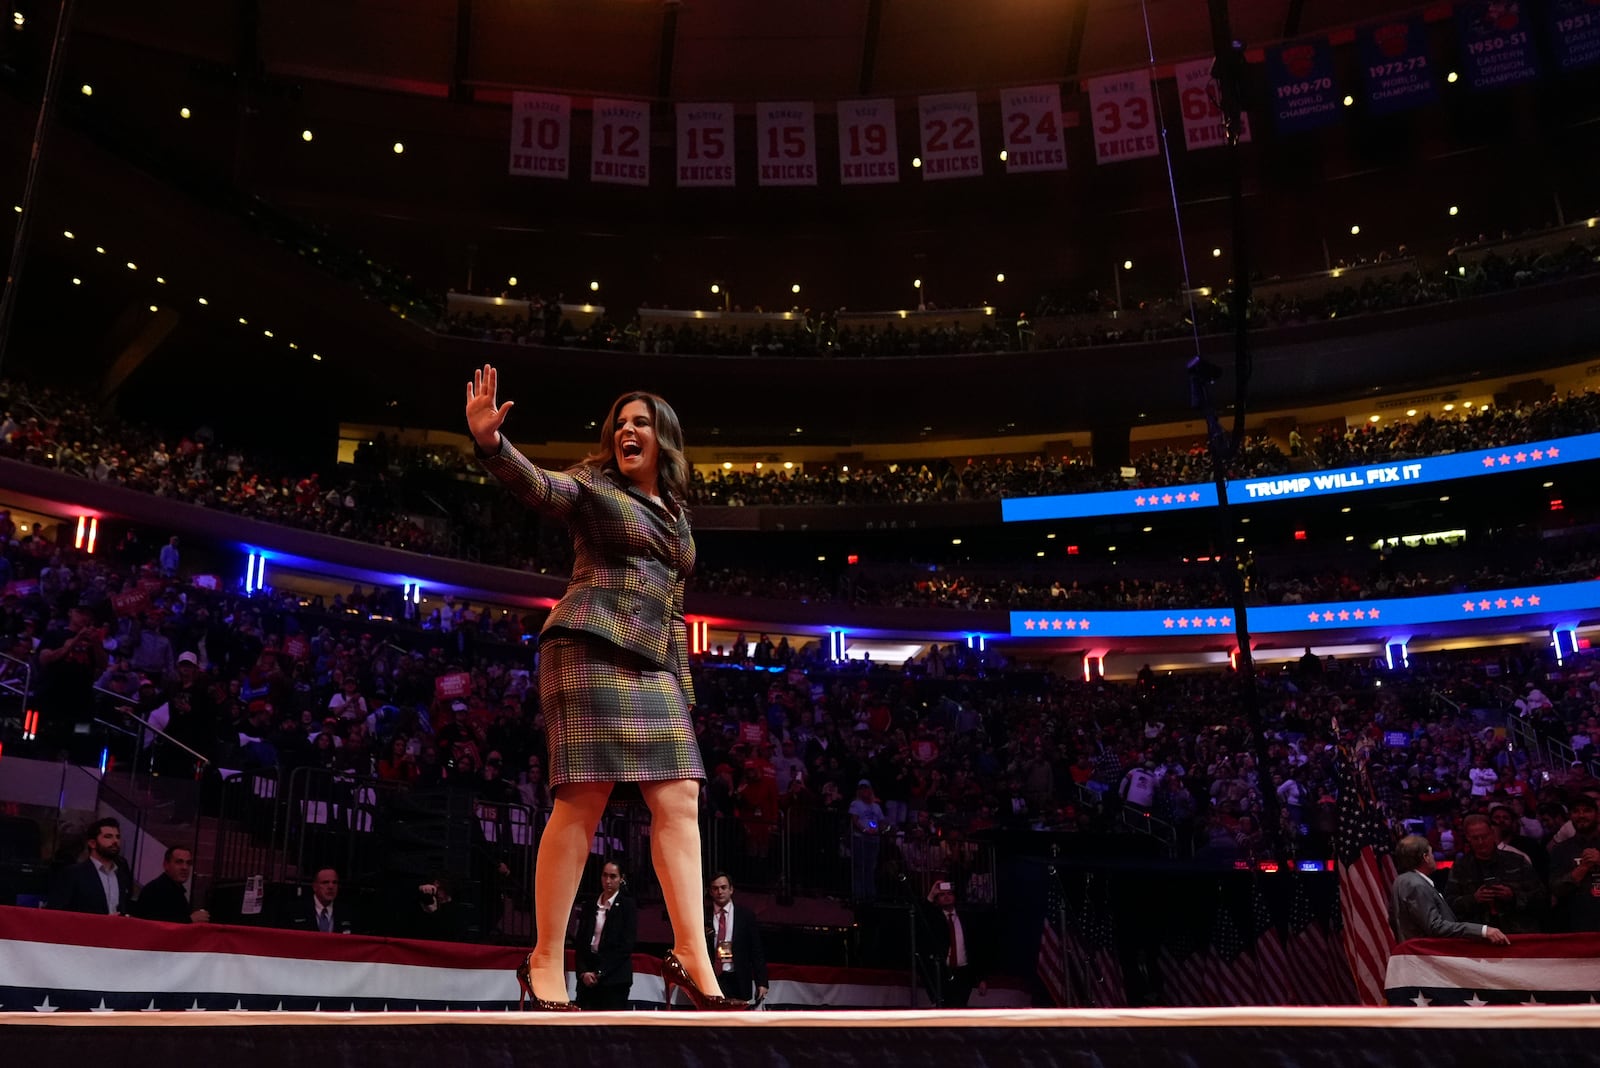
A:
<point x="1248" y="491"/>
<point x="1397" y="612"/>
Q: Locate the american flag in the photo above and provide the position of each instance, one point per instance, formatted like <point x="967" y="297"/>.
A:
<point x="1230" y="971"/>
<point x="1274" y="973"/>
<point x="1321" y="974"/>
<point x="1363" y="850"/>
<point x="1183" y="971"/>
<point x="1106" y="987"/>
<point x="1053" y="948"/>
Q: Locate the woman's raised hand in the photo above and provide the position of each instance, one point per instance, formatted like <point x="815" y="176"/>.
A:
<point x="483" y="416"/>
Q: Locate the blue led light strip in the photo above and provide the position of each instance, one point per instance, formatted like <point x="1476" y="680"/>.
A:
<point x="1248" y="491"/>
<point x="1402" y="613"/>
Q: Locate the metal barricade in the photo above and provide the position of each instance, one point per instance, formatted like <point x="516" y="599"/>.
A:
<point x="249" y="819"/>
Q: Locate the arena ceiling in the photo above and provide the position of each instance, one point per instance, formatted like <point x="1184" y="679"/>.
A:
<point x="701" y="49"/>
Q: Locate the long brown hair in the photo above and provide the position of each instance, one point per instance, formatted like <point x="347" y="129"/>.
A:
<point x="672" y="470"/>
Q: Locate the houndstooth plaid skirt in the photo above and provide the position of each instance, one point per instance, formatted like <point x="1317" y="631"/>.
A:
<point x="612" y="716"/>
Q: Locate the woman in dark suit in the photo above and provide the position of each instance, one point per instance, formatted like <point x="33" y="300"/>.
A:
<point x="614" y="680"/>
<point x="607" y="930"/>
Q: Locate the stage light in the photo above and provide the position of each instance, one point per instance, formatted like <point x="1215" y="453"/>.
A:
<point x="1216" y="253"/>
<point x="86" y="89"/>
<point x="795" y="288"/>
<point x="715" y="289"/>
<point x="1127" y="265"/>
<point x="316" y="357"/>
<point x="955" y="541"/>
<point x="399" y="148"/>
<point x="916" y="161"/>
<point x="594" y="287"/>
<point x="1446" y="497"/>
<point x="268" y="333"/>
<point x="727" y="465"/>
<point x="1039" y="553"/>
<point x="132" y="266"/>
<point x="68" y="234"/>
<point x="1375" y="419"/>
<point x="1349" y="537"/>
<point x="916" y="283"/>
<point x="154" y="308"/>
<point x="1452" y="77"/>
<point x="18" y="19"/>
<point x="77" y="281"/>
<point x="100" y="249"/>
<point x="758" y="465"/>
<point x="243" y="321"/>
<point x="1355" y="230"/>
<point x="203" y="300"/>
<point x="1003" y="156"/>
<point x="1349" y="100"/>
<point x="1410" y="412"/>
<point x="160" y="281"/>
<point x="184" y="113"/>
<point x="788" y="465"/>
<point x="511" y="281"/>
<point x="1454" y="210"/>
<point x="1000" y="277"/>
<point x="306" y="135"/>
<point x="1449" y="407"/>
<point x="1345" y="510"/>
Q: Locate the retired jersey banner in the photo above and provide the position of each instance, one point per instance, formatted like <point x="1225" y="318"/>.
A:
<point x="869" y="151"/>
<point x="620" y="151"/>
<point x="950" y="146"/>
<point x="1575" y="25"/>
<point x="1122" y="109"/>
<point x="1032" y="121"/>
<point x="1300" y="75"/>
<point x="1497" y="43"/>
<point x="705" y="145"/>
<point x="1199" y="98"/>
<point x="541" y="134"/>
<point x="1399" y="73"/>
<point x="786" y="143"/>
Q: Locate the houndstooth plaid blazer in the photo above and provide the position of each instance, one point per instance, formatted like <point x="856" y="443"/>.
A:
<point x="632" y="557"/>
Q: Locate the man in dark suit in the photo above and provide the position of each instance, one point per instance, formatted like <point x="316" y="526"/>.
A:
<point x="166" y="897"/>
<point x="735" y="944"/>
<point x="607" y="931"/>
<point x="1417" y="909"/>
<point x="953" y="949"/>
<point x="321" y="911"/>
<point x="100" y="884"/>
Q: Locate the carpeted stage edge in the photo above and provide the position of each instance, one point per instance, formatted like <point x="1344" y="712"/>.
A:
<point x="1564" y="1035"/>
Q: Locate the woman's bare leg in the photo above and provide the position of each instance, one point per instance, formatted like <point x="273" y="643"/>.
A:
<point x="675" y="849"/>
<point x="562" y="853"/>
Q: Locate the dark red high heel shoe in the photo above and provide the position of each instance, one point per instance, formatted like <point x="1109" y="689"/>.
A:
<point x="526" y="997"/>
<point x="675" y="975"/>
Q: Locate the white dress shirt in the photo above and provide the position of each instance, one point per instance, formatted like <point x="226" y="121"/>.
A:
<point x="108" y="883"/>
<point x="726" y="930"/>
<point x="958" y="937"/>
<point x="600" y="920"/>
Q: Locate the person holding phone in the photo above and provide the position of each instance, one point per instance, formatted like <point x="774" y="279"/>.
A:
<point x="1494" y="886"/>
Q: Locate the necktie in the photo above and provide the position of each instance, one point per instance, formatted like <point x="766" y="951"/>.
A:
<point x="325" y="922"/>
<point x="950" y="922"/>
<point x="722" y="925"/>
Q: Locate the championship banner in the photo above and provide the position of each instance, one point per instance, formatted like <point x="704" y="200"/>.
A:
<point x="1031" y="118"/>
<point x="1575" y="30"/>
<point x="1123" y="112"/>
<point x="869" y="151"/>
<point x="950" y="146"/>
<point x="786" y="143"/>
<point x="1198" y="98"/>
<point x="705" y="145"/>
<point x="541" y="134"/>
<point x="1301" y="76"/>
<point x="1394" y="58"/>
<point x="620" y="149"/>
<point x="1497" y="44"/>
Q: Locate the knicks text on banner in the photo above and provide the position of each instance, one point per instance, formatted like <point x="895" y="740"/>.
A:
<point x="705" y="145"/>
<point x="541" y="134"/>
<point x="950" y="145"/>
<point x="786" y="144"/>
<point x="1198" y="99"/>
<point x="1031" y="118"/>
<point x="1122" y="109"/>
<point x="869" y="152"/>
<point x="620" y="149"/>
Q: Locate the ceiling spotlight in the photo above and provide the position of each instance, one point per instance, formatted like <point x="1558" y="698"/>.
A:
<point x="1410" y="412"/>
<point x="1354" y="230"/>
<point x="314" y="356"/>
<point x="1349" y="100"/>
<point x="77" y="281"/>
<point x="132" y="266"/>
<point x="68" y="234"/>
<point x="154" y="308"/>
<point x="594" y="287"/>
<point x="1000" y="277"/>
<point x="715" y="289"/>
<point x="916" y="161"/>
<point x="243" y="321"/>
<point x="1127" y="265"/>
<point x="1216" y="253"/>
<point x="100" y="249"/>
<point x="795" y="288"/>
<point x="306" y="135"/>
<point x="86" y="89"/>
<point x="1454" y="210"/>
<point x="399" y="148"/>
<point x="916" y="283"/>
<point x="268" y="333"/>
<point x="184" y="113"/>
<point x="18" y="19"/>
<point x="1375" y="419"/>
<point x="203" y="300"/>
<point x="1452" y="77"/>
<point x="1003" y="156"/>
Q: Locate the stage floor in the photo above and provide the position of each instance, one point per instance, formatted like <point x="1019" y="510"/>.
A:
<point x="1562" y="1035"/>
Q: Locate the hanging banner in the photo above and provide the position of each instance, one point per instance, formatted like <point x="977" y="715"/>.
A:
<point x="620" y="149"/>
<point x="1497" y="44"/>
<point x="1575" y="27"/>
<point x="950" y="147"/>
<point x="1122" y="109"/>
<point x="705" y="145"/>
<point x="869" y="151"/>
<point x="786" y="144"/>
<point x="1394" y="58"/>
<point x="1198" y="97"/>
<point x="541" y="134"/>
<point x="1031" y="118"/>
<point x="1301" y="76"/>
